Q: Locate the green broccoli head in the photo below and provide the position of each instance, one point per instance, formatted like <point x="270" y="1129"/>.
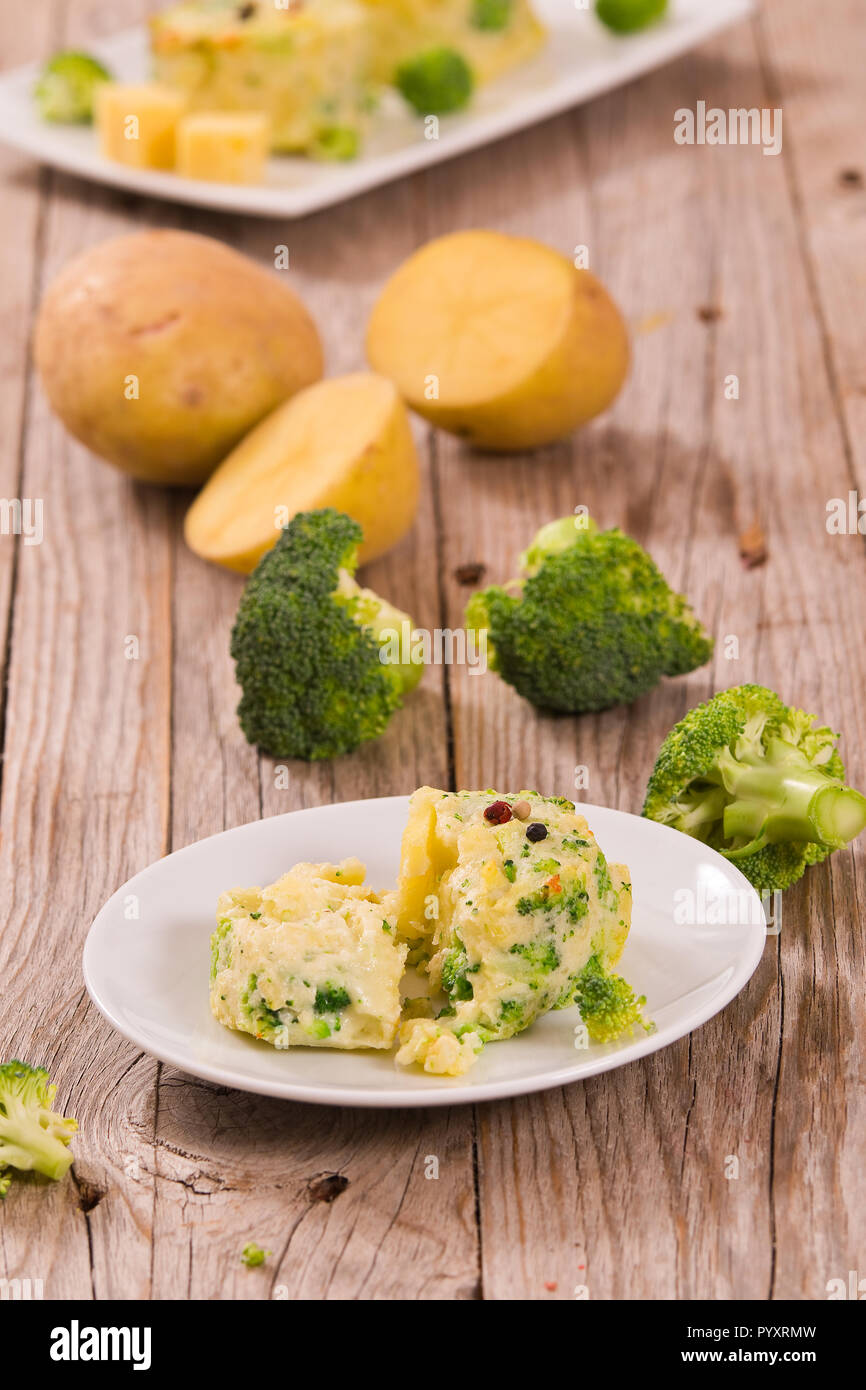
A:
<point x="626" y="16"/>
<point x="591" y="624"/>
<point x="65" y="88"/>
<point x="33" y="1137"/>
<point x="436" y="82"/>
<point x="317" y="657"/>
<point x="607" y="1003"/>
<point x="758" y="781"/>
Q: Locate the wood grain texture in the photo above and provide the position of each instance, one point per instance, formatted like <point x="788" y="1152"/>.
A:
<point x="728" y="262"/>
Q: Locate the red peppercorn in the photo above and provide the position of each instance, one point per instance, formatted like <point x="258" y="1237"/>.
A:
<point x="498" y="813"/>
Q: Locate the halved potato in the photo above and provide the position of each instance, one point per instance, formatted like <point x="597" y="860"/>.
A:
<point x="499" y="339"/>
<point x="343" y="443"/>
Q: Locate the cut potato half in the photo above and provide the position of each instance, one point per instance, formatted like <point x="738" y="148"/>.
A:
<point x="499" y="339"/>
<point x="343" y="443"/>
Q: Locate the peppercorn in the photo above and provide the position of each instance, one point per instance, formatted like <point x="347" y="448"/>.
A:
<point x="498" y="813"/>
<point x="521" y="810"/>
<point x="536" y="831"/>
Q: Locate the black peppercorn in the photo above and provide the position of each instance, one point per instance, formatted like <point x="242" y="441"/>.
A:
<point x="536" y="831"/>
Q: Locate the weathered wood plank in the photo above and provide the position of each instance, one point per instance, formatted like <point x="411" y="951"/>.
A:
<point x="234" y="1167"/>
<point x="618" y="1184"/>
<point x="635" y="1202"/>
<point x="85" y="788"/>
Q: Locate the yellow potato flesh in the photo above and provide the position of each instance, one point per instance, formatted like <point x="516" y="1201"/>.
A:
<point x="343" y="443"/>
<point x="499" y="339"/>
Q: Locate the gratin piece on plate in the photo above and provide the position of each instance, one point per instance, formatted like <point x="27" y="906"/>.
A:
<point x="492" y="35"/>
<point x="310" y="961"/>
<point x="508" y="902"/>
<point x="305" y="66"/>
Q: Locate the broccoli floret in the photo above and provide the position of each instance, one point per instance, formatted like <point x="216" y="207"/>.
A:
<point x="591" y="624"/>
<point x="253" y="1255"/>
<point x="310" y="646"/>
<point x="541" y="956"/>
<point x="64" y="91"/>
<point x="490" y="14"/>
<point x="436" y="82"/>
<point x="625" y="16"/>
<point x="758" y="781"/>
<point x="337" y="142"/>
<point x="607" y="1003"/>
<point x="455" y="968"/>
<point x="33" y="1137"/>
<point x="331" y="999"/>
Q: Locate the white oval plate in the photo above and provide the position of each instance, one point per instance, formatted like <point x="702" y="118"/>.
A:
<point x="580" y="60"/>
<point x="147" y="958"/>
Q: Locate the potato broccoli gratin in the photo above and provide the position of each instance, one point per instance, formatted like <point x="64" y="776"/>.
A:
<point x="517" y="912"/>
<point x="491" y="35"/>
<point x="306" y="66"/>
<point x="312" y="66"/>
<point x="310" y="961"/>
<point x="505" y="903"/>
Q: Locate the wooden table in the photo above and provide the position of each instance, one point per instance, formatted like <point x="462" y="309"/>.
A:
<point x="727" y="262"/>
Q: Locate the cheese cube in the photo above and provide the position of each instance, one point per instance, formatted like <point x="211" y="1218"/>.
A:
<point x="137" y="125"/>
<point x="223" y="146"/>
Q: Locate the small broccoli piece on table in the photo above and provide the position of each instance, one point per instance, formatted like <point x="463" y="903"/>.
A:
<point x="759" y="782"/>
<point x="311" y="648"/>
<point x="64" y="91"/>
<point x="626" y="16"/>
<point x="33" y="1137"/>
<point x="436" y="82"/>
<point x="607" y="1003"/>
<point x="253" y="1255"/>
<point x="592" y="623"/>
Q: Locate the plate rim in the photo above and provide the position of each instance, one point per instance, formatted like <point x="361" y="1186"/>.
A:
<point x="436" y="1091"/>
<point x="649" y="50"/>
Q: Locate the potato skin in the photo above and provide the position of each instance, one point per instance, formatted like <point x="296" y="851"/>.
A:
<point x="214" y="341"/>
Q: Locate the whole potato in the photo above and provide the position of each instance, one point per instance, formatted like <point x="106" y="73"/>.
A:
<point x="160" y="350"/>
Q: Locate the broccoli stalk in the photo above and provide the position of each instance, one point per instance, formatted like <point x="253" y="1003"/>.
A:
<point x="779" y="796"/>
<point x="317" y="675"/>
<point x="591" y="623"/>
<point x="759" y="782"/>
<point x="33" y="1137"/>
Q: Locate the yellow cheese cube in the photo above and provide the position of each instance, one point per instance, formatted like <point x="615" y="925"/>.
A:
<point x="137" y="124"/>
<point x="223" y="146"/>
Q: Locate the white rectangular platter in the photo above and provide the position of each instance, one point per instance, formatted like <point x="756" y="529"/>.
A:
<point x="581" y="60"/>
